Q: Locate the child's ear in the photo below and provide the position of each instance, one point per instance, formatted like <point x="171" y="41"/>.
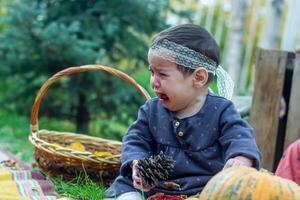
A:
<point x="200" y="77"/>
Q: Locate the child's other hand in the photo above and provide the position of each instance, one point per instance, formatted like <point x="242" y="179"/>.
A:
<point x="238" y="161"/>
<point x="137" y="181"/>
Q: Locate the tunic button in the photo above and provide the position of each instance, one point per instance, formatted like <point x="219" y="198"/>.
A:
<point x="180" y="133"/>
<point x="177" y="124"/>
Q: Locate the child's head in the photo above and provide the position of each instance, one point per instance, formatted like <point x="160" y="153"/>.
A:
<point x="193" y="37"/>
<point x="183" y="60"/>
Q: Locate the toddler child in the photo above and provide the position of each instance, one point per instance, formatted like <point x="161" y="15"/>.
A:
<point x="202" y="131"/>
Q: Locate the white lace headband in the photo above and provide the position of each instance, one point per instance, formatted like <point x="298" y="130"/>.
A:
<point x="192" y="59"/>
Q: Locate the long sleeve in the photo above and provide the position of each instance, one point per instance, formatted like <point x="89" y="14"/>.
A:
<point x="137" y="143"/>
<point x="237" y="137"/>
<point x="289" y="165"/>
<point x="200" y="144"/>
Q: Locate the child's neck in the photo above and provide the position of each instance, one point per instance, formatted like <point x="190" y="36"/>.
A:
<point x="194" y="108"/>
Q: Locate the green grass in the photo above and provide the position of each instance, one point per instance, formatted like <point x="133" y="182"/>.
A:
<point x="14" y="132"/>
<point x="15" y="129"/>
<point x="81" y="188"/>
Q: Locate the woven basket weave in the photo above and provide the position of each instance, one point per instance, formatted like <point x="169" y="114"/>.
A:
<point x="51" y="152"/>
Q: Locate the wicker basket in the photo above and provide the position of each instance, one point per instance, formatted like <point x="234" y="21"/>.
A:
<point x="51" y="152"/>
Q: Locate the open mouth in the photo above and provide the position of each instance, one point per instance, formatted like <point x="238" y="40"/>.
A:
<point x="163" y="97"/>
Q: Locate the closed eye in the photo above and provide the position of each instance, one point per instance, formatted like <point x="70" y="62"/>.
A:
<point x="158" y="72"/>
<point x="163" y="74"/>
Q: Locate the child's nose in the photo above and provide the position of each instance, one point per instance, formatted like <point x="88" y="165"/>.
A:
<point x="154" y="82"/>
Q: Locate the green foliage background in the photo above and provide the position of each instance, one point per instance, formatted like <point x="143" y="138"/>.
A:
<point x="40" y="38"/>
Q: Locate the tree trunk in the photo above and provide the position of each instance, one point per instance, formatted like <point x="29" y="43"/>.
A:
<point x="82" y="115"/>
<point x="235" y="40"/>
<point x="272" y="29"/>
<point x="291" y="26"/>
<point x="210" y="17"/>
<point x="220" y="22"/>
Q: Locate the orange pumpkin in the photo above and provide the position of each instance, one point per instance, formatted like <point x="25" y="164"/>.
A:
<point x="245" y="183"/>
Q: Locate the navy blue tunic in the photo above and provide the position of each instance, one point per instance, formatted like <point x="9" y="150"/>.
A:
<point x="200" y="144"/>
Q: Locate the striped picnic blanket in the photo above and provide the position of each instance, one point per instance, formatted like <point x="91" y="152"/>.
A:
<point x="18" y="181"/>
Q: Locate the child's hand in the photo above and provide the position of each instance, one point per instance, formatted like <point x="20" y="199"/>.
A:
<point x="238" y="161"/>
<point x="137" y="181"/>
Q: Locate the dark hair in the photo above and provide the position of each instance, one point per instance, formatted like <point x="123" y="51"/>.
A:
<point x="194" y="37"/>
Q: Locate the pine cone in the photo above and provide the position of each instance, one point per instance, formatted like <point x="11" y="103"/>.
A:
<point x="155" y="168"/>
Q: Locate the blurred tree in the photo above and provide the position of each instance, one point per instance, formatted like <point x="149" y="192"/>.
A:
<point x="1" y="17"/>
<point x="292" y="21"/>
<point x="44" y="37"/>
<point x="253" y="29"/>
<point x="271" y="30"/>
<point x="235" y="40"/>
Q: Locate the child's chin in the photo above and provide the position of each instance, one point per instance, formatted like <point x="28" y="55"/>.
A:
<point x="168" y="106"/>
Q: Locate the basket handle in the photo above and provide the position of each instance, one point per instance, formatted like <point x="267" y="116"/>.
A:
<point x="74" y="70"/>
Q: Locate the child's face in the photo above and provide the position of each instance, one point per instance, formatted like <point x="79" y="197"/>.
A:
<point x="175" y="91"/>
